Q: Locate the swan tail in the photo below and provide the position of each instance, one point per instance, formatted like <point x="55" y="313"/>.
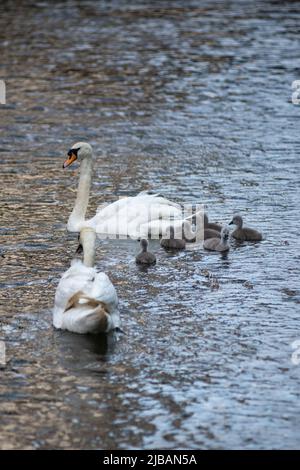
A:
<point x="96" y="317"/>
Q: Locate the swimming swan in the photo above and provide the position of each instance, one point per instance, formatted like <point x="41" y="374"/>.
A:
<point x="85" y="300"/>
<point x="122" y="217"/>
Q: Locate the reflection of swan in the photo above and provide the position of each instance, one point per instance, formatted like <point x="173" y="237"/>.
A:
<point x="123" y="217"/>
<point x="70" y="349"/>
<point x="85" y="300"/>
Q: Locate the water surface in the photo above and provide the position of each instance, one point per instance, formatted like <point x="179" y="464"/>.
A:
<point x="191" y="99"/>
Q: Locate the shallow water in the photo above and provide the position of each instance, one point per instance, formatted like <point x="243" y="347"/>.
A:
<point x="193" y="100"/>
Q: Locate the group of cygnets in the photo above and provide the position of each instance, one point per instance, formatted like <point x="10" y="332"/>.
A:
<point x="216" y="238"/>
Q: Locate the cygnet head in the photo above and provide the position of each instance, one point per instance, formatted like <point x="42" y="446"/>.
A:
<point x="225" y="234"/>
<point x="79" y="151"/>
<point x="144" y="244"/>
<point x="237" y="220"/>
<point x="205" y="219"/>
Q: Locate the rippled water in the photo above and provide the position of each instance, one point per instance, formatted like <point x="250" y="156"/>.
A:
<point x="192" y="99"/>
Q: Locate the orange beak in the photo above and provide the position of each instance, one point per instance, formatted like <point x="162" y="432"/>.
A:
<point x="71" y="159"/>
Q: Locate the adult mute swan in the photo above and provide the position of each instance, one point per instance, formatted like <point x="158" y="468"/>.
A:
<point x="85" y="300"/>
<point x="122" y="217"/>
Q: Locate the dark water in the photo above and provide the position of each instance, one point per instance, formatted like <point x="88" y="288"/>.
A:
<point x="192" y="99"/>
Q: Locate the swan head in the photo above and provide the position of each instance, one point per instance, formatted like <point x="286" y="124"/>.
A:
<point x="79" y="151"/>
<point x="237" y="220"/>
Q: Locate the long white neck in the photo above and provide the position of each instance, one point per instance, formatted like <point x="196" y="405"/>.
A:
<point x="82" y="199"/>
<point x="88" y="240"/>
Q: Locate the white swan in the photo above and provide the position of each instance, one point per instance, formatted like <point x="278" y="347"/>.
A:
<point x="85" y="300"/>
<point x="123" y="217"/>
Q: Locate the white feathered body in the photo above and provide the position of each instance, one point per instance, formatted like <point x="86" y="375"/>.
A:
<point x="85" y="301"/>
<point x="130" y="216"/>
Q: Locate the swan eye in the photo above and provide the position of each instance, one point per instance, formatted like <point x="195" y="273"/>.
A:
<point x="73" y="151"/>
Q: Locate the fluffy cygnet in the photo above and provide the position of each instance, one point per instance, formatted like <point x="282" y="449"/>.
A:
<point x="217" y="244"/>
<point x="244" y="233"/>
<point x="172" y="243"/>
<point x="145" y="256"/>
<point x="200" y="232"/>
<point x="211" y="233"/>
<point x="211" y="225"/>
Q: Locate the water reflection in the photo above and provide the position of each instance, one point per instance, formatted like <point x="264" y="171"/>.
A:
<point x="78" y="350"/>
